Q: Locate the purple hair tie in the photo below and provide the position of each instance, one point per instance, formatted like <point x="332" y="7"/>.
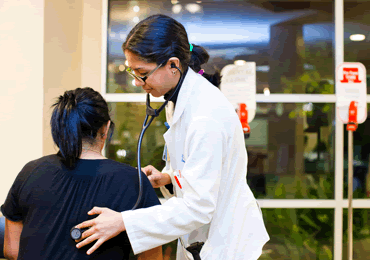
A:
<point x="201" y="72"/>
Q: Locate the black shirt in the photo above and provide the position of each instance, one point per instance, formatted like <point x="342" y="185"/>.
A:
<point x="51" y="199"/>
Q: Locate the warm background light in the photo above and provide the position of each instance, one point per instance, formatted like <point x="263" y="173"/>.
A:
<point x="357" y="37"/>
<point x="240" y="62"/>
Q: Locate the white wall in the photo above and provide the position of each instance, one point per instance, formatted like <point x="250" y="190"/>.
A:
<point x="21" y="86"/>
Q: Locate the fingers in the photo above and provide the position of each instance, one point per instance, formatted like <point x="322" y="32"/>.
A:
<point x="87" y="241"/>
<point x="86" y="224"/>
<point x="156" y="177"/>
<point x="96" y="246"/>
<point x="95" y="210"/>
<point x="147" y="170"/>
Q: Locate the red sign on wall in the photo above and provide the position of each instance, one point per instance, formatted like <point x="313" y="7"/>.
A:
<point x="350" y="75"/>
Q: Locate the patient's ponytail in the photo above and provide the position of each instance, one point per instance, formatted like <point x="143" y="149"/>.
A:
<point x="77" y="117"/>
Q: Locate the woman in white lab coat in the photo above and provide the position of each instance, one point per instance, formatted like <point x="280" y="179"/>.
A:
<point x="206" y="157"/>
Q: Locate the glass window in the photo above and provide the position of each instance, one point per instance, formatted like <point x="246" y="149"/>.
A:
<point x="291" y="151"/>
<point x="356" y="42"/>
<point x="291" y="42"/>
<point x="361" y="160"/>
<point x="129" y="118"/>
<point x="356" y="33"/>
<point x="361" y="234"/>
<point x="299" y="234"/>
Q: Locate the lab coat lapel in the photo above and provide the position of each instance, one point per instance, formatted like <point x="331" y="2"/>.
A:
<point x="182" y="101"/>
<point x="184" y="95"/>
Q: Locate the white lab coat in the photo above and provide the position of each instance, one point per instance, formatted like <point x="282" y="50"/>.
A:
<point x="214" y="203"/>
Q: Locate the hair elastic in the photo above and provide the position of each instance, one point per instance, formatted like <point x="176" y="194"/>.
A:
<point x="201" y="72"/>
<point x="191" y="47"/>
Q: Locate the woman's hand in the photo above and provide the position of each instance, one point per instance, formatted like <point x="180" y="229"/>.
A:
<point x="108" y="224"/>
<point x="156" y="178"/>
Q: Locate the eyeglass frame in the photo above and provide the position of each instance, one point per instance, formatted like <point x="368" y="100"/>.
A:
<point x="142" y="79"/>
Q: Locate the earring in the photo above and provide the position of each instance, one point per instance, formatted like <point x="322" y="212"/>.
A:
<point x="174" y="72"/>
<point x="102" y="135"/>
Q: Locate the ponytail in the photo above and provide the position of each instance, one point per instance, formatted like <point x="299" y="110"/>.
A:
<point x="66" y="131"/>
<point x="77" y="116"/>
<point x="200" y="56"/>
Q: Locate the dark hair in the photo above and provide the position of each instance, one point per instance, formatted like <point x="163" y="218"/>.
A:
<point x="160" y="37"/>
<point x="77" y="116"/>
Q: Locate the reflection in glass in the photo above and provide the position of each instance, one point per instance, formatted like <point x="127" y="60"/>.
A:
<point x="291" y="151"/>
<point x="299" y="234"/>
<point x="290" y="41"/>
<point x="361" y="234"/>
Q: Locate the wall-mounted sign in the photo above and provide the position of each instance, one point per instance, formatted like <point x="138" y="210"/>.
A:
<point x="350" y="85"/>
<point x="238" y="84"/>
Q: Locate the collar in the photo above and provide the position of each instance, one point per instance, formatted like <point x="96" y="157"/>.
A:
<point x="169" y="93"/>
<point x="184" y="94"/>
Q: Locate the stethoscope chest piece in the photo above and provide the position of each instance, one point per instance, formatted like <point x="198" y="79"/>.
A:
<point x="76" y="233"/>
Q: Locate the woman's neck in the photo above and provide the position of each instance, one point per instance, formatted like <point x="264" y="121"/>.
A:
<point x="91" y="152"/>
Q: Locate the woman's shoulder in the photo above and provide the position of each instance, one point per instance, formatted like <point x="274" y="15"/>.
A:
<point x="114" y="167"/>
<point x="45" y="160"/>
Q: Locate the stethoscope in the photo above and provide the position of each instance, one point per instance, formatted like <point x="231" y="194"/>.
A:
<point x="153" y="113"/>
<point x="76" y="233"/>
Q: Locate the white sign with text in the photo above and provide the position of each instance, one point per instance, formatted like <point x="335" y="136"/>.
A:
<point x="350" y="85"/>
<point x="238" y="84"/>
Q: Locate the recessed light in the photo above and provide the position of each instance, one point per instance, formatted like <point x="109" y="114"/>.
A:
<point x="357" y="37"/>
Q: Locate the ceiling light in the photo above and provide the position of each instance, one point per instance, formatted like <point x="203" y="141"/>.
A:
<point x="240" y="62"/>
<point x="136" y="9"/>
<point x="357" y="37"/>
<point x="176" y="9"/>
<point x="193" y="8"/>
<point x="136" y="19"/>
<point x="174" y="2"/>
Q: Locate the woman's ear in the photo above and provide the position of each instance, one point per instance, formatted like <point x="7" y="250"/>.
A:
<point x="175" y="61"/>
<point x="105" y="129"/>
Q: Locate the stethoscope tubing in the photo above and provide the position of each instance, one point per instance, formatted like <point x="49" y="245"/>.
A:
<point x="145" y="127"/>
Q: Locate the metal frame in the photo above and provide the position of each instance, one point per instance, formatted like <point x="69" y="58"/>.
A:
<point x="338" y="203"/>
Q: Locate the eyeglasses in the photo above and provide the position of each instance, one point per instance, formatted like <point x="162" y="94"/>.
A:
<point x="141" y="79"/>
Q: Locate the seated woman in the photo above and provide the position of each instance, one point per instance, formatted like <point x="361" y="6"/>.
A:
<point x="53" y="194"/>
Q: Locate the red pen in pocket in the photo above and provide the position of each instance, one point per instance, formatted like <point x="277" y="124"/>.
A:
<point x="178" y="182"/>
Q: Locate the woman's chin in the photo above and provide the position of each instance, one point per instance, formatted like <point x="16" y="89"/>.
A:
<point x="155" y="94"/>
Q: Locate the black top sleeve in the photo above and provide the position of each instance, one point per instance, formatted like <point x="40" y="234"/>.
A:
<point x="13" y="209"/>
